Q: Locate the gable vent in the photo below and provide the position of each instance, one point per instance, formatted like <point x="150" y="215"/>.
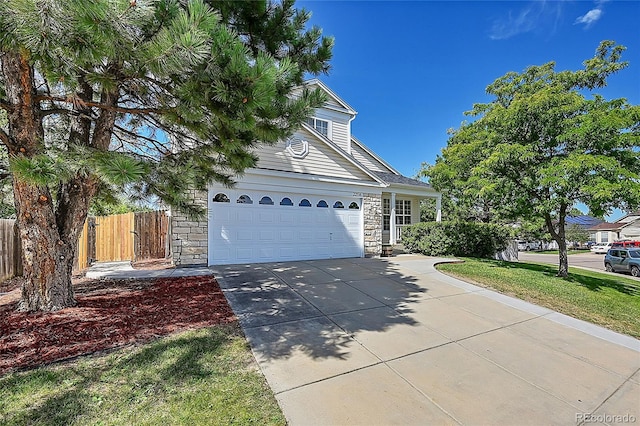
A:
<point x="297" y="147"/>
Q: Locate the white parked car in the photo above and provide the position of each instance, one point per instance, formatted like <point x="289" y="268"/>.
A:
<point x="601" y="248"/>
<point x="528" y="245"/>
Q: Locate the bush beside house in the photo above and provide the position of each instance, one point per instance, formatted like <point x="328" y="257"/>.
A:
<point x="468" y="239"/>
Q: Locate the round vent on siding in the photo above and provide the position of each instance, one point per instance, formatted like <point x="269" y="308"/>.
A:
<point x="297" y="147"/>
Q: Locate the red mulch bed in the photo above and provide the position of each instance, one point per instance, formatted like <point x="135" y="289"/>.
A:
<point x="110" y="313"/>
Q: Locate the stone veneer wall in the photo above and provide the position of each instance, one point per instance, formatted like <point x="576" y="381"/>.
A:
<point x="372" y="210"/>
<point x="189" y="238"/>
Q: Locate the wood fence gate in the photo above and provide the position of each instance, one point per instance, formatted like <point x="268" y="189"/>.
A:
<point x="129" y="236"/>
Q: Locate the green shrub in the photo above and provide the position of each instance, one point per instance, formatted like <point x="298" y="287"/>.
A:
<point x="469" y="239"/>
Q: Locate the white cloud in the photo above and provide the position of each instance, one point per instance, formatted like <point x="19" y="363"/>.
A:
<point x="590" y="17"/>
<point x="538" y="16"/>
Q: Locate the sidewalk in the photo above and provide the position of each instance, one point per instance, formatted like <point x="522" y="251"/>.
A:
<point x="123" y="270"/>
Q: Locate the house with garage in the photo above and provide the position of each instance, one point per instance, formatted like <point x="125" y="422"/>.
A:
<point x="321" y="194"/>
<point x="625" y="228"/>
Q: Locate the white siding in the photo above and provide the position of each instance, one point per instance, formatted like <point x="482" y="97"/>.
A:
<point x="333" y="103"/>
<point x="338" y="126"/>
<point x="321" y="160"/>
<point x="367" y="160"/>
<point x="631" y="231"/>
<point x="606" y="237"/>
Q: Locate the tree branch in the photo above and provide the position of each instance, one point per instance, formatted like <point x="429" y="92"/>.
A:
<point x="47" y="112"/>
<point x="156" y="144"/>
<point x="73" y="100"/>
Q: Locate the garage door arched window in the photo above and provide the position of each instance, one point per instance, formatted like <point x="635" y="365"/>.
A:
<point x="266" y="200"/>
<point x="322" y="203"/>
<point x="304" y="203"/>
<point x="244" y="199"/>
<point x="286" y="202"/>
<point x="221" y="198"/>
<point x="338" y="205"/>
<point x="354" y="206"/>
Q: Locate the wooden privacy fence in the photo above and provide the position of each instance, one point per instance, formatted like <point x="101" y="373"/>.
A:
<point x="10" y="261"/>
<point x="129" y="236"/>
<point x="114" y="237"/>
<point x="151" y="235"/>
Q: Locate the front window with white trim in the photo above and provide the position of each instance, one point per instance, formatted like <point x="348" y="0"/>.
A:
<point x="321" y="126"/>
<point x="403" y="212"/>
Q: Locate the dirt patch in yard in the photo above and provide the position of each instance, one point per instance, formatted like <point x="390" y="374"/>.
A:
<point x="110" y="313"/>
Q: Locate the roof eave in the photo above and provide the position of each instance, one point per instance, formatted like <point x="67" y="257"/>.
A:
<point x="331" y="93"/>
<point x="342" y="153"/>
<point x="374" y="155"/>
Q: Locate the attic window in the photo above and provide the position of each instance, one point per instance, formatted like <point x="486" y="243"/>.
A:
<point x="321" y="126"/>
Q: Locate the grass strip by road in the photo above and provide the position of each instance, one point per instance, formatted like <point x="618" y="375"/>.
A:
<point x="607" y="300"/>
<point x="569" y="252"/>
<point x="202" y="377"/>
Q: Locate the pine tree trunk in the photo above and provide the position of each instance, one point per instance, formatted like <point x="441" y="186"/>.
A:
<point x="48" y="232"/>
<point x="46" y="258"/>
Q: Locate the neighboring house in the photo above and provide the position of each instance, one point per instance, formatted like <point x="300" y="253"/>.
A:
<point x="320" y="194"/>
<point x="627" y="227"/>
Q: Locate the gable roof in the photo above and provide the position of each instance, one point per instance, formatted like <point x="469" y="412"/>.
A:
<point x="339" y="101"/>
<point x="374" y="155"/>
<point x="340" y="151"/>
<point x="624" y="221"/>
<point x="390" y="176"/>
<point x="628" y="218"/>
<point x="605" y="226"/>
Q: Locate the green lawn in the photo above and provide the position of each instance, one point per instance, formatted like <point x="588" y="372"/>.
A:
<point x="608" y="300"/>
<point x="203" y="377"/>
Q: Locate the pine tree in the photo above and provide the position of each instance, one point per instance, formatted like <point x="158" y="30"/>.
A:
<point x="154" y="96"/>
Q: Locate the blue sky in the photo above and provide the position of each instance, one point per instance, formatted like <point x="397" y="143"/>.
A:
<point x="412" y="68"/>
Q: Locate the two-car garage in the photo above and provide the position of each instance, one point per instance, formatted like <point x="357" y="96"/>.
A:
<point x="269" y="226"/>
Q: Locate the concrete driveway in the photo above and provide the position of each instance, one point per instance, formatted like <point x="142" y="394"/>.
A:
<point x="374" y="341"/>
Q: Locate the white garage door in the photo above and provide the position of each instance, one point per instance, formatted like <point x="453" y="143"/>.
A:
<point x="250" y="227"/>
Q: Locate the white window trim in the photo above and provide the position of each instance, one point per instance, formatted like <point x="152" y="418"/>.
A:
<point x="329" y="134"/>
<point x="403" y="203"/>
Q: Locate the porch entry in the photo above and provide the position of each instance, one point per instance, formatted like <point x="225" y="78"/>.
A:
<point x="401" y="215"/>
<point x="399" y="211"/>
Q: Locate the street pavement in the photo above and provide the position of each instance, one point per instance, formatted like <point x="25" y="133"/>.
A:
<point x="583" y="260"/>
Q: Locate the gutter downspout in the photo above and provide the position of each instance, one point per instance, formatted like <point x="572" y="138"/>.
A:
<point x="349" y="138"/>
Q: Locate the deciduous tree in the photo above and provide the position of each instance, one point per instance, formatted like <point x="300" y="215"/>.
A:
<point x="546" y="142"/>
